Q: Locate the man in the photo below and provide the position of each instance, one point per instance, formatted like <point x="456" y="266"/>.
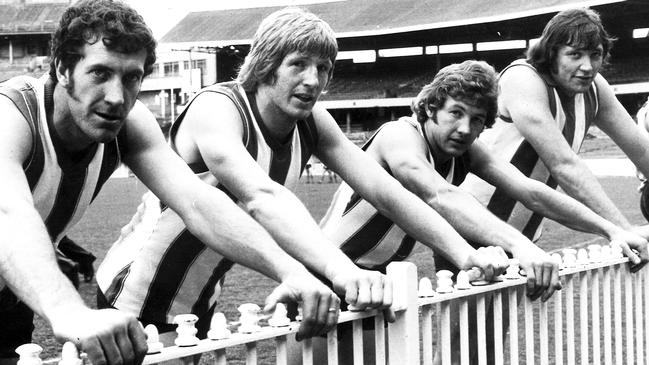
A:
<point x="546" y="104"/>
<point x="431" y="152"/>
<point x="61" y="137"/>
<point x="252" y="138"/>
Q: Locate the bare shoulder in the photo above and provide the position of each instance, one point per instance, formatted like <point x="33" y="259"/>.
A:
<point x="15" y="132"/>
<point x="207" y="107"/>
<point x="519" y="79"/>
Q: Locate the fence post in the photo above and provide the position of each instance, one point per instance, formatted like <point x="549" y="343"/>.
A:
<point x="403" y="334"/>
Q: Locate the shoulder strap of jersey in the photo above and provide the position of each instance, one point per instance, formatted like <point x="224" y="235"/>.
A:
<point x="23" y="96"/>
<point x="549" y="88"/>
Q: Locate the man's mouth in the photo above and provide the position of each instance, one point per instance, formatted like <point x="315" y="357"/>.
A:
<point x="109" y="116"/>
<point x="305" y="98"/>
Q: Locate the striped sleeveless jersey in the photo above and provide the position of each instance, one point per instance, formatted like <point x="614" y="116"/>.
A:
<point x="571" y="115"/>
<point x="157" y="268"/>
<point x="62" y="186"/>
<point x="369" y="238"/>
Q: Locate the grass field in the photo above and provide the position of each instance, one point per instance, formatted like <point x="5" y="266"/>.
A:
<point x="119" y="199"/>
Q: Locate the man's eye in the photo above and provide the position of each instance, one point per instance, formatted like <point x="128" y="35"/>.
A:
<point x="132" y="79"/>
<point x="100" y="74"/>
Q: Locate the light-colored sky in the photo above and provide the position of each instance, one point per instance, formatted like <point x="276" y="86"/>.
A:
<point x="162" y="15"/>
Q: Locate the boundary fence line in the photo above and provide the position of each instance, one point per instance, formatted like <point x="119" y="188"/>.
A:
<point x="599" y="317"/>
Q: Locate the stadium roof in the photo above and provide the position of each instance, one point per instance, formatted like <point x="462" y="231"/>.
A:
<point x="361" y="18"/>
<point x="30" y="18"/>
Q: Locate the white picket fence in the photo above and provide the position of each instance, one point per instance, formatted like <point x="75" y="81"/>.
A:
<point x="597" y="318"/>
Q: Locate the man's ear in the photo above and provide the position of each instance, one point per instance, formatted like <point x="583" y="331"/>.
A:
<point x="430" y="113"/>
<point x="62" y="73"/>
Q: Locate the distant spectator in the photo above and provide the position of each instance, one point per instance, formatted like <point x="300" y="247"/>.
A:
<point x="309" y="175"/>
<point x="328" y="174"/>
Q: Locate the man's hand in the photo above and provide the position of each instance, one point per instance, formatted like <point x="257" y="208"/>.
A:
<point x="320" y="305"/>
<point x="634" y="246"/>
<point x="366" y="289"/>
<point x="541" y="269"/>
<point x="491" y="261"/>
<point x="108" y="336"/>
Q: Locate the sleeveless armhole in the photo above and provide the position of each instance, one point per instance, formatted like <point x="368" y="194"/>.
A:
<point x="226" y="89"/>
<point x="549" y="88"/>
<point x="26" y="102"/>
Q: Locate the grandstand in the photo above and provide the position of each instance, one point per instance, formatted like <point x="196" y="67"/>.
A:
<point x="25" y="32"/>
<point x="365" y="93"/>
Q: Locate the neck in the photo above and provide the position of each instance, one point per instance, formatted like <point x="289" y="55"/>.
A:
<point x="439" y="156"/>
<point x="278" y="124"/>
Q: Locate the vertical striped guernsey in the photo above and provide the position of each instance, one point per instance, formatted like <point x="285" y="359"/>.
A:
<point x="571" y="115"/>
<point x="369" y="238"/>
<point x="157" y="269"/>
<point x="62" y="186"/>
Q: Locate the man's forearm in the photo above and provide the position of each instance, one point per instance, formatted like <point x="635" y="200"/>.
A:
<point x="28" y="265"/>
<point x="566" y="210"/>
<point x="227" y="229"/>
<point x="288" y="221"/>
<point x="474" y="222"/>
<point x="580" y="183"/>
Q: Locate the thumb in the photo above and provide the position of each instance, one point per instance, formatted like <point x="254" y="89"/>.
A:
<point x="628" y="252"/>
<point x="276" y="296"/>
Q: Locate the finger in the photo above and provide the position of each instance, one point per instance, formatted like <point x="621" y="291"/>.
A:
<point x="138" y="339"/>
<point x="628" y="252"/>
<point x="276" y="296"/>
<point x="503" y="261"/>
<point x="125" y="347"/>
<point x="351" y="293"/>
<point x="377" y="292"/>
<point x="548" y="288"/>
<point x="531" y="281"/>
<point x="555" y="284"/>
<point x="644" y="258"/>
<point x="364" y="295"/>
<point x="488" y="271"/>
<point x="92" y="347"/>
<point x="310" y="304"/>
<point x="332" y="314"/>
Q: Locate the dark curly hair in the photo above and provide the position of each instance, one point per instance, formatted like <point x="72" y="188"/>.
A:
<point x="472" y="82"/>
<point x="579" y="28"/>
<point x="116" y="24"/>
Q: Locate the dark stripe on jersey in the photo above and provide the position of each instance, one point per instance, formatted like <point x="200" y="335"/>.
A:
<point x="279" y="165"/>
<point x="367" y="237"/>
<point x="525" y="159"/>
<point x="198" y="167"/>
<point x="355" y="199"/>
<point x="65" y="204"/>
<point x="202" y="305"/>
<point x="167" y="280"/>
<point x="109" y="164"/>
<point x="569" y="110"/>
<point x="117" y="285"/>
<point x="462" y="164"/>
<point x="308" y="140"/>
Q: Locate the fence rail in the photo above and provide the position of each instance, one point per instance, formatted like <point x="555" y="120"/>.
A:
<point x="599" y="317"/>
